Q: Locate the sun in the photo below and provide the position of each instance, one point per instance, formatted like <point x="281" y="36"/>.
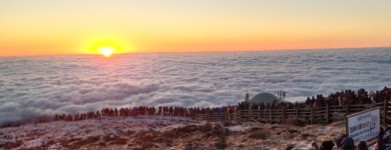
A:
<point x="105" y="45"/>
<point x="106" y="51"/>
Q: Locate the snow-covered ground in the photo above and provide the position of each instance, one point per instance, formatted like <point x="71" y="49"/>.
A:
<point x="163" y="133"/>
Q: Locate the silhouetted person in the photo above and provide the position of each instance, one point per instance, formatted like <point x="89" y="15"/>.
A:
<point x="327" y="145"/>
<point x="362" y="145"/>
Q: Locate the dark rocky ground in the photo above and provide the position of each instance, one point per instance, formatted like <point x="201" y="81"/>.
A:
<point x="133" y="134"/>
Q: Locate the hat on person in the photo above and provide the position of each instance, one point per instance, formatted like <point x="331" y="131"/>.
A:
<point x="348" y="143"/>
<point x="338" y="141"/>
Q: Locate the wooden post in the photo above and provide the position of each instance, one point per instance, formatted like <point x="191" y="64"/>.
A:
<point x="312" y="115"/>
<point x="270" y="115"/>
<point x="283" y="115"/>
<point x="194" y="114"/>
<point x="235" y="115"/>
<point x="238" y="115"/>
<point x="207" y="116"/>
<point x="385" y="113"/>
<point x="218" y="118"/>
<point x="250" y="113"/>
<point x="227" y="116"/>
<point x="297" y="113"/>
<point x="259" y="113"/>
<point x="327" y="113"/>
<point x="347" y="109"/>
<point x="241" y="116"/>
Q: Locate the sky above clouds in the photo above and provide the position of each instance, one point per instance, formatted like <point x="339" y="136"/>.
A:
<point x="61" y="27"/>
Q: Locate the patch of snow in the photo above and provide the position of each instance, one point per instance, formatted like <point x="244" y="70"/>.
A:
<point x="238" y="128"/>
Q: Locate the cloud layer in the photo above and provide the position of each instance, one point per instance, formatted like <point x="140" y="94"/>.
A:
<point x="39" y="86"/>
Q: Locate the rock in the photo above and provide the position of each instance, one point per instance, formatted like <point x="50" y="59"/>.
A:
<point x="221" y="145"/>
<point x="102" y="143"/>
<point x="12" y="145"/>
<point x="219" y="130"/>
<point x="130" y="133"/>
<point x="289" y="147"/>
<point x="150" y="136"/>
<point x="193" y="146"/>
<point x="148" y="145"/>
<point x="206" y="127"/>
<point x="255" y="129"/>
<point x="188" y="129"/>
<point x="292" y="131"/>
<point x="215" y="131"/>
<point x="258" y="135"/>
<point x="227" y="123"/>
<point x="304" y="136"/>
<point x="296" y="122"/>
<point x="119" y="141"/>
<point x="92" y="139"/>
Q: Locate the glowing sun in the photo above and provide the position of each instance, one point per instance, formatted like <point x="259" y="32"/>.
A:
<point x="106" y="51"/>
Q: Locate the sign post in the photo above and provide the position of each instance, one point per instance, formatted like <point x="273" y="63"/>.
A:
<point x="363" y="126"/>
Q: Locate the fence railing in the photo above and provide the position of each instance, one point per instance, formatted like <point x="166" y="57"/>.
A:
<point x="312" y="115"/>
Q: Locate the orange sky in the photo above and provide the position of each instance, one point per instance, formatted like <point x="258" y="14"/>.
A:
<point x="61" y="27"/>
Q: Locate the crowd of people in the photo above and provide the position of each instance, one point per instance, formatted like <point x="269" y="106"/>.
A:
<point x="144" y="110"/>
<point x="350" y="97"/>
<point x="342" y="98"/>
<point x="344" y="142"/>
<point x="135" y="111"/>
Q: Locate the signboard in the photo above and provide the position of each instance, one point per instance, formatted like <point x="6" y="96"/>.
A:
<point x="364" y="125"/>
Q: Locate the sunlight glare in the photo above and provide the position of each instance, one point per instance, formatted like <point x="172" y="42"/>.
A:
<point x="106" y="51"/>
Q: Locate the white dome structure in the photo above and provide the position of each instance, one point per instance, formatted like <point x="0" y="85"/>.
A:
<point x="263" y="98"/>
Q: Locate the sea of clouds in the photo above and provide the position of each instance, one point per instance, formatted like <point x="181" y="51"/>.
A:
<point x="40" y="86"/>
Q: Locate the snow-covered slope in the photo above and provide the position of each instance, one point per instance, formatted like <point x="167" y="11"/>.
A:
<point x="163" y="133"/>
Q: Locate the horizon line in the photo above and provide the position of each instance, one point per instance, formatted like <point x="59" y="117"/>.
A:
<point x="212" y="51"/>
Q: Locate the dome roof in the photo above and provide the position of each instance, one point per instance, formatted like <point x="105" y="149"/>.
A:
<point x="263" y="97"/>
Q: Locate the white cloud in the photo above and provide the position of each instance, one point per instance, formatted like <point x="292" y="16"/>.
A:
<point x="39" y="86"/>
